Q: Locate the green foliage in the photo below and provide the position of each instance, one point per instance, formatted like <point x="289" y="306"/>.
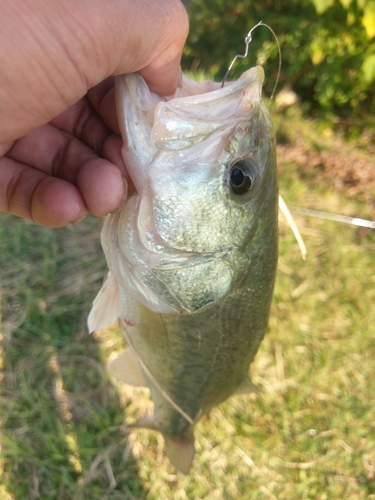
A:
<point x="328" y="47"/>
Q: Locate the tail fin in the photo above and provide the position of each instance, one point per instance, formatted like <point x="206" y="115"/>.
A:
<point x="180" y="452"/>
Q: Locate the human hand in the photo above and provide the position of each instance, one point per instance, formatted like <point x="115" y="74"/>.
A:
<point x="60" y="149"/>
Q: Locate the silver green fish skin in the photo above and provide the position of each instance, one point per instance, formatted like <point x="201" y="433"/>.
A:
<point x="194" y="262"/>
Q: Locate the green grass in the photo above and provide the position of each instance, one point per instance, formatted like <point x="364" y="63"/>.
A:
<point x="310" y="434"/>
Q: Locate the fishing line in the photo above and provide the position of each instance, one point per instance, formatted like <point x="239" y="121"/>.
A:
<point x="248" y="39"/>
<point x="355" y="221"/>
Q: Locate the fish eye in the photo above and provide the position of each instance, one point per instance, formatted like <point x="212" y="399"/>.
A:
<point x="242" y="176"/>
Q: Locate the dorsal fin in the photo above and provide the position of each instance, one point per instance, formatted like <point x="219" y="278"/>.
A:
<point x="106" y="306"/>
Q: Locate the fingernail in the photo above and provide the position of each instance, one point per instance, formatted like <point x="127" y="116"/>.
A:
<point x="80" y="219"/>
<point x="124" y="198"/>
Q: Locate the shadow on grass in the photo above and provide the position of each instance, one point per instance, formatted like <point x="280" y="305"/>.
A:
<point x="62" y="422"/>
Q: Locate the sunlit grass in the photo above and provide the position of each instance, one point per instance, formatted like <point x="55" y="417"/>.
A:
<point x="310" y="434"/>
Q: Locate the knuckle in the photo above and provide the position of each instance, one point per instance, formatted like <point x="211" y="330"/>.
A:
<point x="177" y="23"/>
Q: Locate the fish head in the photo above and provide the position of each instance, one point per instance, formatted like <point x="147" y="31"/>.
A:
<point x="203" y="168"/>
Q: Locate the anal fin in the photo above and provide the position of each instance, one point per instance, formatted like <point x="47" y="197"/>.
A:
<point x="246" y="387"/>
<point x="125" y="367"/>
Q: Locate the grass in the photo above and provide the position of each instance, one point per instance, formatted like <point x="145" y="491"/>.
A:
<point x="310" y="434"/>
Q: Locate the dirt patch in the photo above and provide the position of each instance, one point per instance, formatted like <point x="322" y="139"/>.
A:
<point x="346" y="169"/>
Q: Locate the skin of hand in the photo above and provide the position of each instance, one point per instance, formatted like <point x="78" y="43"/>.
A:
<point x="60" y="149"/>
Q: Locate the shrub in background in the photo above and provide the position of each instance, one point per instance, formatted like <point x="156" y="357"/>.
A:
<point x="328" y="49"/>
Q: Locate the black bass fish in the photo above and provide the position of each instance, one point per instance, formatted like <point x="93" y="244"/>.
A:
<point x="192" y="255"/>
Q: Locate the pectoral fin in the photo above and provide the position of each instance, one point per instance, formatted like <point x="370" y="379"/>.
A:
<point x="125" y="367"/>
<point x="106" y="306"/>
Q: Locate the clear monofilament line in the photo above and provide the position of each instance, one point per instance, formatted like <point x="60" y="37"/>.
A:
<point x="355" y="221"/>
<point x="248" y="39"/>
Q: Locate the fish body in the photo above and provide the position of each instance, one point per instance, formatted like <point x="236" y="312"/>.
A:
<point x="193" y="253"/>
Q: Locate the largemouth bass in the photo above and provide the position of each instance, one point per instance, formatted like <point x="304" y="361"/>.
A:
<point x="192" y="254"/>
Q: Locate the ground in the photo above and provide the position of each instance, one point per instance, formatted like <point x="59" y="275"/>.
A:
<point x="309" y="434"/>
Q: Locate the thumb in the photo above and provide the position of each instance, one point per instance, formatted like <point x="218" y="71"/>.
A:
<point x="53" y="51"/>
<point x="146" y="36"/>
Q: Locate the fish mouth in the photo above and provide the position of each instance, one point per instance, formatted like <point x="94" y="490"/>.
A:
<point x="156" y="129"/>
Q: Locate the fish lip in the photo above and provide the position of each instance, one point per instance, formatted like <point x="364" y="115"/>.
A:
<point x="256" y="72"/>
<point x="181" y="109"/>
<point x="185" y="255"/>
